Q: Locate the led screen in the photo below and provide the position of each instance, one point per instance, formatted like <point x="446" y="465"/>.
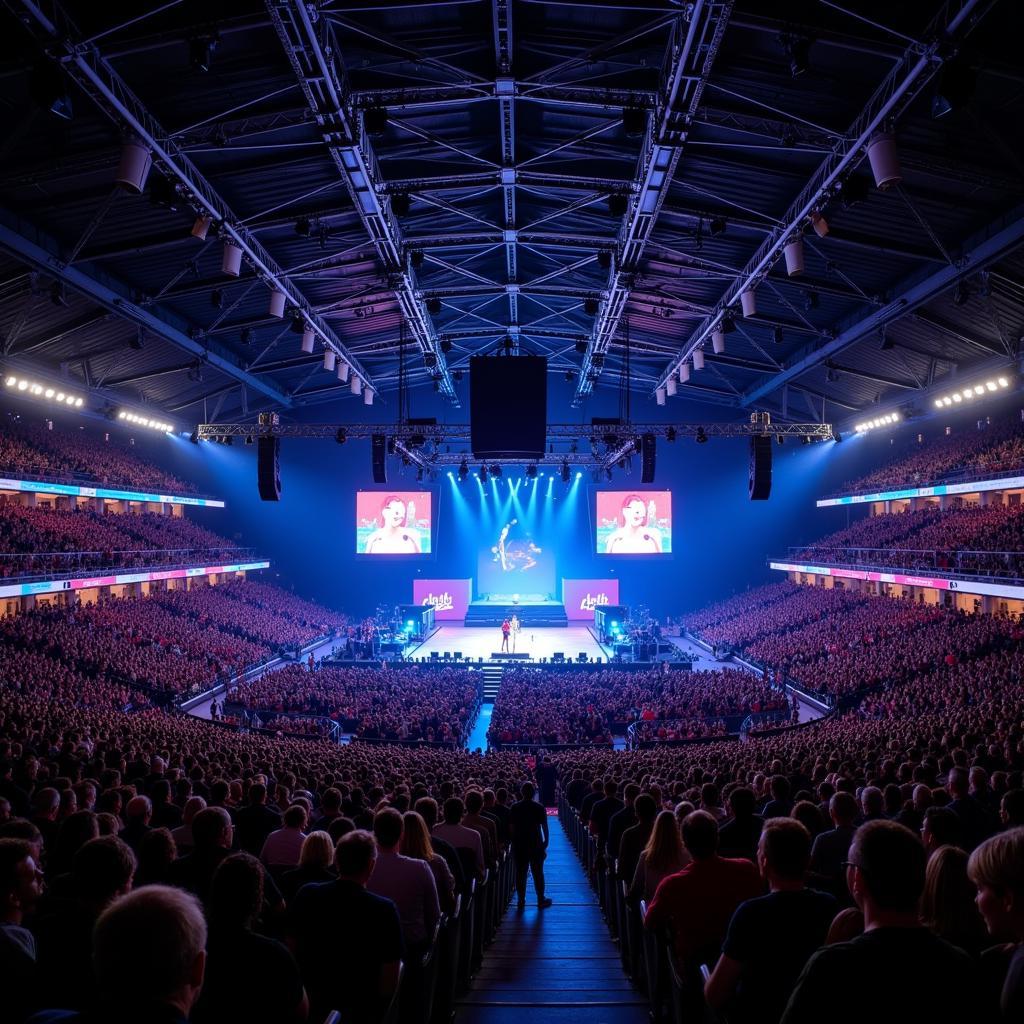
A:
<point x="633" y="523"/>
<point x="393" y="522"/>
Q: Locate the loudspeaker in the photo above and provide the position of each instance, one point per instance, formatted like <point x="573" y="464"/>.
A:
<point x="508" y="407"/>
<point x="379" y="446"/>
<point x="760" y="468"/>
<point x="458" y="655"/>
<point x="268" y="471"/>
<point x="647" y="453"/>
<point x="558" y="656"/>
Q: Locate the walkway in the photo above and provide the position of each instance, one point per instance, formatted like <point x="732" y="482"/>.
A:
<point x="478" y="737"/>
<point x="554" y="966"/>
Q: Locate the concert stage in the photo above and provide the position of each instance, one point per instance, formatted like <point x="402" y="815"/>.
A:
<point x="476" y="642"/>
<point x="531" y="609"/>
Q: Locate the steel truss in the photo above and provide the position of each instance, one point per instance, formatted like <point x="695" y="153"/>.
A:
<point x="86" y="65"/>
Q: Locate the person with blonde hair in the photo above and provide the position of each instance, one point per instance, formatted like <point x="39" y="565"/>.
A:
<point x="996" y="867"/>
<point x="416" y="843"/>
<point x="316" y="864"/>
<point x="947" y="903"/>
<point x="663" y="855"/>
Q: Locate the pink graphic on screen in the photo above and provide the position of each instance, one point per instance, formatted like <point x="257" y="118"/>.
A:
<point x="633" y="523"/>
<point x="393" y="523"/>
<point x="581" y="597"/>
<point x="450" y="598"/>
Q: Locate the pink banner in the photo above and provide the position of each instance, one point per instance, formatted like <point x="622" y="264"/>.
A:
<point x="581" y="597"/>
<point x="450" y="598"/>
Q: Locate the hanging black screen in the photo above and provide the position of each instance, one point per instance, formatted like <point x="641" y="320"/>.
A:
<point x="508" y="404"/>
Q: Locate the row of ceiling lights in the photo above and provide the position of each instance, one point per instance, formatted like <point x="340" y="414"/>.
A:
<point x="30" y="387"/>
<point x="878" y="421"/>
<point x="969" y="394"/>
<point x="145" y="421"/>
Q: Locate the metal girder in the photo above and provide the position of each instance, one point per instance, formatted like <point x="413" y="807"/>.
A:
<point x="507" y="175"/>
<point x="899" y="88"/>
<point x="315" y="57"/>
<point x="459" y="95"/>
<point x="693" y="47"/>
<point x="994" y="243"/>
<point x="501" y="13"/>
<point x="93" y="73"/>
<point x="557" y="433"/>
<point x="42" y="252"/>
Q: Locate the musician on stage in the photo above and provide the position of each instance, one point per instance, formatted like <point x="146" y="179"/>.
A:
<point x="506" y="628"/>
<point x="515" y="627"/>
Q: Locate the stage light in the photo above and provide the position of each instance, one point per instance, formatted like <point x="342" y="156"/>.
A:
<point x="565" y="472"/>
<point x="531" y="472"/>
<point x="702" y="437"/>
<point x="136" y="160"/>
<point x="496" y="471"/>
<point x="483" y="473"/>
<point x="231" y="260"/>
<point x="463" y="470"/>
<point x="794" y="256"/>
<point x="884" y="160"/>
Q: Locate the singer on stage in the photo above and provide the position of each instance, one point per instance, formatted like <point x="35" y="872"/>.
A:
<point x="506" y="628"/>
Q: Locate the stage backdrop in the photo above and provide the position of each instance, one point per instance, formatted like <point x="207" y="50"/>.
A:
<point x="450" y="598"/>
<point x="581" y="597"/>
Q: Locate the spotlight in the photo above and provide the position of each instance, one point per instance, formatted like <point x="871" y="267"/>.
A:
<point x="433" y="306"/>
<point x="565" y="472"/>
<point x="194" y="437"/>
<point x="670" y="434"/>
<point x="531" y="472"/>
<point x="231" y="260"/>
<point x="701" y="436"/>
<point x="446" y="345"/>
<point x="201" y="227"/>
<point x="818" y="222"/>
<point x="341" y="436"/>
<point x="954" y="89"/>
<point x="483" y="473"/>
<point x="303" y="227"/>
<point x="247" y="335"/>
<point x="590" y="306"/>
<point x="716" y="226"/>
<point x="496" y="471"/>
<point x="133" y="170"/>
<point x="249" y="439"/>
<point x="884" y="160"/>
<point x="463" y="470"/>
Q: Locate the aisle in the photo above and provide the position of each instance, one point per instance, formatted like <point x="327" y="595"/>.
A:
<point x="554" y="966"/>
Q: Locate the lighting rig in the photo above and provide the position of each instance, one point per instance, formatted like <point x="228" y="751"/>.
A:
<point x="432" y="448"/>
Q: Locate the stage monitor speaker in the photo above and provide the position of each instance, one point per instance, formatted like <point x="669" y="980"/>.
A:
<point x="558" y="656"/>
<point x="581" y="657"/>
<point x="648" y="450"/>
<point x="760" y="468"/>
<point x="379" y="446"/>
<point x="458" y="655"/>
<point x="508" y="406"/>
<point x="268" y="470"/>
<point x="434" y="656"/>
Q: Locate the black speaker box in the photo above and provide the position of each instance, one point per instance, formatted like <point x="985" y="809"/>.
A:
<point x="268" y="470"/>
<point x="648" y="450"/>
<point x="760" y="468"/>
<point x="379" y="445"/>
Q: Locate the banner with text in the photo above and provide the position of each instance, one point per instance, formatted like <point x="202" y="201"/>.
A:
<point x="450" y="598"/>
<point x="581" y="597"/>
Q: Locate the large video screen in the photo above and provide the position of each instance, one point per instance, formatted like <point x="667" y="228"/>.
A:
<point x="634" y="523"/>
<point x="393" y="522"/>
<point x="515" y="559"/>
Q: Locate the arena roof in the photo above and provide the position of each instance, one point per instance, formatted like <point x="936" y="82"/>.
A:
<point x="427" y="181"/>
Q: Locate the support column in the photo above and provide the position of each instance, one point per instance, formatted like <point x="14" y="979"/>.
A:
<point x="29" y="499"/>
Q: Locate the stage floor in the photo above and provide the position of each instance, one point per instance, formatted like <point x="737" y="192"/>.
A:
<point x="483" y="641"/>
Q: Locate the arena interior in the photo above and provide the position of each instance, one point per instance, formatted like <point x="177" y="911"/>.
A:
<point x="511" y="510"/>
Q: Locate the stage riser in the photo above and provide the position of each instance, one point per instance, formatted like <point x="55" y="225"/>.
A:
<point x="538" y="616"/>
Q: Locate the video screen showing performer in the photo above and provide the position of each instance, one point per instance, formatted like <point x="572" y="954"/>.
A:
<point x="393" y="523"/>
<point x="634" y="523"/>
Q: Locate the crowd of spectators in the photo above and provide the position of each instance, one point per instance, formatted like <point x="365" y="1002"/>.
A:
<point x="968" y="538"/>
<point x="541" y="707"/>
<point x="35" y="540"/>
<point x="996" y="447"/>
<point x="44" y="454"/>
<point x="383" y="702"/>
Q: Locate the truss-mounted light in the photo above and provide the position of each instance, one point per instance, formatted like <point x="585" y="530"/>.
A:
<point x="879" y="421"/>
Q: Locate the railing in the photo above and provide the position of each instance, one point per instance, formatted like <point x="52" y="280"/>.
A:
<point x="962" y="476"/>
<point x="42" y="475"/>
<point x="723" y="727"/>
<point x="49" y="565"/>
<point x="995" y="565"/>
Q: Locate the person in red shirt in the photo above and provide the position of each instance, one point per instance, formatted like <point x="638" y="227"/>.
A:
<point x="698" y="902"/>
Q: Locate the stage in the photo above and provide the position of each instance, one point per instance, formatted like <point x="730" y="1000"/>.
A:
<point x="475" y="642"/>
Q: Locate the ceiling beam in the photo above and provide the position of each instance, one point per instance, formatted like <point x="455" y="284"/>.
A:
<point x="38" y="250"/>
<point x="312" y="49"/>
<point x="990" y="245"/>
<point x="693" y="46"/>
<point x="83" y="61"/>
<point x="896" y="92"/>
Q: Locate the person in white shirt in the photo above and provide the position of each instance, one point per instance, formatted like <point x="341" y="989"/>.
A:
<point x="283" y="847"/>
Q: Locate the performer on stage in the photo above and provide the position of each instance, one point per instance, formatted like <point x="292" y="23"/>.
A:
<point x="515" y="627"/>
<point x="638" y="534"/>
<point x="506" y="628"/>
<point x="394" y="537"/>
